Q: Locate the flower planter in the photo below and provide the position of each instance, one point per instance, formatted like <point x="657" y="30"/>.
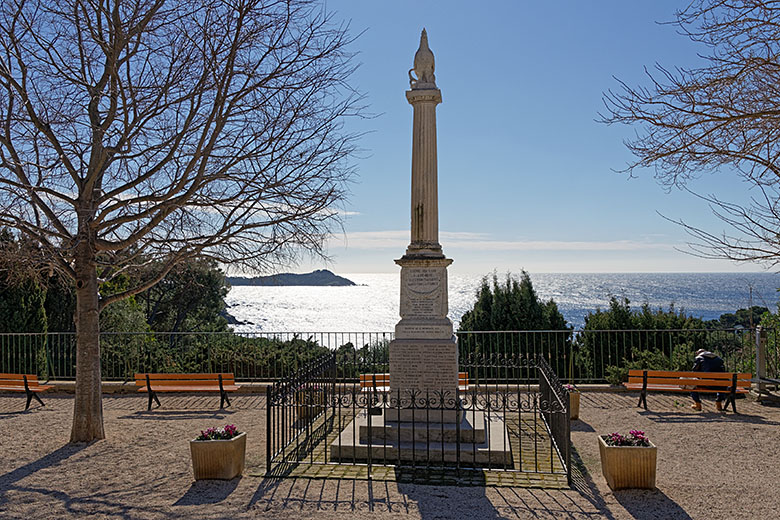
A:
<point x="218" y="459"/>
<point x="309" y="403"/>
<point x="627" y="467"/>
<point x="574" y="405"/>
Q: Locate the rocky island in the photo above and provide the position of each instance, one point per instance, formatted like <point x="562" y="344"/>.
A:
<point x="320" y="277"/>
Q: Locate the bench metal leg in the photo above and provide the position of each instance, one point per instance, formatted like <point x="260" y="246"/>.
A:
<point x="733" y="394"/>
<point x="30" y="396"/>
<point x="223" y="397"/>
<point x="152" y="396"/>
<point x="643" y="393"/>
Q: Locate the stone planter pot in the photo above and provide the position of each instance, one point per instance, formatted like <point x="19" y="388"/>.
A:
<point x="574" y="405"/>
<point x="309" y="403"/>
<point x="218" y="459"/>
<point x="627" y="467"/>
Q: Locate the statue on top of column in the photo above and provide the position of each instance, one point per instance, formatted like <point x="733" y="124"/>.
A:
<point x="423" y="66"/>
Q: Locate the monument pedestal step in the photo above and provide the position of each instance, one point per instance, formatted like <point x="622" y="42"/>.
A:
<point x="494" y="448"/>
<point x="421" y="415"/>
<point x="470" y="429"/>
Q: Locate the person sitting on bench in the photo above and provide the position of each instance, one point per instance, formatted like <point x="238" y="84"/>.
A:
<point x="706" y="361"/>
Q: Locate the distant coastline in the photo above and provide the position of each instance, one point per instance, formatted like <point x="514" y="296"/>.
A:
<point x="318" y="278"/>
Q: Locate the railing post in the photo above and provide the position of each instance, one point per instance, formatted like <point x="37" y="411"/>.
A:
<point x="760" y="359"/>
<point x="268" y="430"/>
<point x="567" y="423"/>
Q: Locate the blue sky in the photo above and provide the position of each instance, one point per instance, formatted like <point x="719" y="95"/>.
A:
<point x="526" y="174"/>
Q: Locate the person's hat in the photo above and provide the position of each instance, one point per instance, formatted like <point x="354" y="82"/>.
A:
<point x="701" y="351"/>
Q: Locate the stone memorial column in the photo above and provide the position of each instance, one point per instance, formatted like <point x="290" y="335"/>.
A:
<point x="424" y="354"/>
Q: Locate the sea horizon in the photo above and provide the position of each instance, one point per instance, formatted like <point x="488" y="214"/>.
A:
<point x="372" y="305"/>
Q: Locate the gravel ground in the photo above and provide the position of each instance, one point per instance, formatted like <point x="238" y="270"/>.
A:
<point x="710" y="466"/>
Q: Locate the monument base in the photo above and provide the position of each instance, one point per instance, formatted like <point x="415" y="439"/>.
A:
<point x="479" y="438"/>
<point x="421" y="416"/>
<point x="425" y="366"/>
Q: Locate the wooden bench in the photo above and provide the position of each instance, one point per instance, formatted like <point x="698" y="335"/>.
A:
<point x="381" y="382"/>
<point x="156" y="383"/>
<point x="732" y="383"/>
<point x="27" y="383"/>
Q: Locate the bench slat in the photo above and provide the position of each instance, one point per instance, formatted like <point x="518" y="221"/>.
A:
<point x="226" y="388"/>
<point x="214" y="376"/>
<point x="15" y="382"/>
<point x="31" y="378"/>
<point x="12" y="383"/>
<point x="36" y="388"/>
<point x="684" y="381"/>
<point x="184" y="382"/>
<point x="671" y="373"/>
<point x="17" y="377"/>
<point x="675" y="388"/>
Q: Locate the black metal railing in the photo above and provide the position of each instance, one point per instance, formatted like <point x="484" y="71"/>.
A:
<point x="295" y="402"/>
<point x="490" y="357"/>
<point x="555" y="397"/>
<point x="317" y="418"/>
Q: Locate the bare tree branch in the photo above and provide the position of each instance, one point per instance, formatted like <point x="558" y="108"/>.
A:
<point x="144" y="131"/>
<point x="723" y="116"/>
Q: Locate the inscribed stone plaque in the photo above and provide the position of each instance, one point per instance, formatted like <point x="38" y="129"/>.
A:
<point x="424" y="365"/>
<point x="427" y="329"/>
<point x="423" y="292"/>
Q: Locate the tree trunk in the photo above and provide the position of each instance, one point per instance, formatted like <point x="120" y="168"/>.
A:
<point x="88" y="404"/>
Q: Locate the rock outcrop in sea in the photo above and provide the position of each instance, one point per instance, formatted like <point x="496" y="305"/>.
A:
<point x="320" y="277"/>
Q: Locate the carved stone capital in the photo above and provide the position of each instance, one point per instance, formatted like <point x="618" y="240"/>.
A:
<point x="428" y="95"/>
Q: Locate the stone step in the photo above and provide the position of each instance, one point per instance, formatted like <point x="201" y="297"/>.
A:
<point x="470" y="429"/>
<point x="494" y="450"/>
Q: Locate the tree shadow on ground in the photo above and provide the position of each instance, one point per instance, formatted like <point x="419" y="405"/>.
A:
<point x="177" y="415"/>
<point x="699" y="417"/>
<point x="435" y="500"/>
<point x="115" y="503"/>
<point x="203" y="492"/>
<point x="46" y="461"/>
<point x="8" y="480"/>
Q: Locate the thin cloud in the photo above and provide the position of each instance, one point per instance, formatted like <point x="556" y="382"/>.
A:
<point x="399" y="239"/>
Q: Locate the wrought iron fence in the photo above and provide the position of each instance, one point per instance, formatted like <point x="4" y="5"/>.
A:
<point x="595" y="356"/>
<point x="318" y="420"/>
<point x="576" y="356"/>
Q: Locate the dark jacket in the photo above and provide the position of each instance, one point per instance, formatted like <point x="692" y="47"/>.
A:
<point x="708" y="362"/>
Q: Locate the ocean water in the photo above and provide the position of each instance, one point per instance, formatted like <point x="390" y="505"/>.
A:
<point x="372" y="305"/>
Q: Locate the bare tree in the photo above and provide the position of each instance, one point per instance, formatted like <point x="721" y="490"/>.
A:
<point x="138" y="131"/>
<point x="723" y="116"/>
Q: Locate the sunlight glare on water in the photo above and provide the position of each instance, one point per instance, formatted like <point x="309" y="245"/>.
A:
<point x="372" y="305"/>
